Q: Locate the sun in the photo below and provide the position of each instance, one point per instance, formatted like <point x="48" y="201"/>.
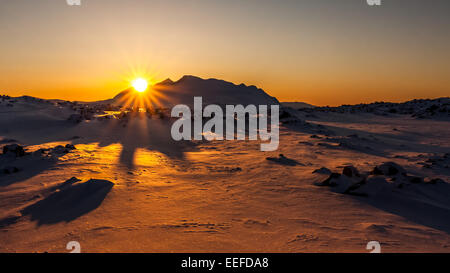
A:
<point x="140" y="84"/>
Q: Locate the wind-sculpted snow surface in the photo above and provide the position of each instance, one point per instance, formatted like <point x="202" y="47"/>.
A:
<point x="113" y="180"/>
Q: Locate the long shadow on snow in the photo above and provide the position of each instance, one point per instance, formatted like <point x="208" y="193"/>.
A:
<point x="71" y="202"/>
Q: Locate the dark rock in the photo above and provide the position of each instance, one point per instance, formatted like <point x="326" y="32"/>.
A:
<point x="75" y="118"/>
<point x="10" y="170"/>
<point x="435" y="181"/>
<point x="60" y="150"/>
<point x="328" y="181"/>
<point x="14" y="149"/>
<point x="282" y="160"/>
<point x="415" y="179"/>
<point x="70" y="146"/>
<point x="389" y="169"/>
<point x="350" y="171"/>
<point x="7" y="140"/>
<point x="322" y="170"/>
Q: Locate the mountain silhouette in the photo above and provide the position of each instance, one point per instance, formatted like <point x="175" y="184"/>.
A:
<point x="168" y="93"/>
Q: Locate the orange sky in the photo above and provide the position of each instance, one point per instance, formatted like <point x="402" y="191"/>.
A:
<point x="318" y="52"/>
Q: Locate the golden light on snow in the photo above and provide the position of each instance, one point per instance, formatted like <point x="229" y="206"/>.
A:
<point x="140" y="84"/>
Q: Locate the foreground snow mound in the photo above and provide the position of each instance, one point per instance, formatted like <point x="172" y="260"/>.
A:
<point x="388" y="187"/>
<point x="389" y="169"/>
<point x="386" y="178"/>
<point x="70" y="201"/>
<point x="342" y="183"/>
<point x="16" y="164"/>
<point x="372" y="186"/>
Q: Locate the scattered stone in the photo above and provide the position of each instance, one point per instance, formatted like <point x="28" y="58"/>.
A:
<point x="75" y="118"/>
<point x="436" y="161"/>
<point x="323" y="170"/>
<point x="60" y="150"/>
<point x="283" y="160"/>
<point x="435" y="181"/>
<point x="436" y="108"/>
<point x="225" y="169"/>
<point x="389" y="169"/>
<point x="343" y="183"/>
<point x="10" y="170"/>
<point x="306" y="143"/>
<point x="40" y="152"/>
<point x="14" y="149"/>
<point x="415" y="179"/>
<point x="387" y="176"/>
<point x="328" y="182"/>
<point x="66" y="184"/>
<point x="70" y="147"/>
<point x="350" y="171"/>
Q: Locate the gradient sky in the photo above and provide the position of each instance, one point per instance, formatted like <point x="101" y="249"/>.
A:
<point x="325" y="52"/>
